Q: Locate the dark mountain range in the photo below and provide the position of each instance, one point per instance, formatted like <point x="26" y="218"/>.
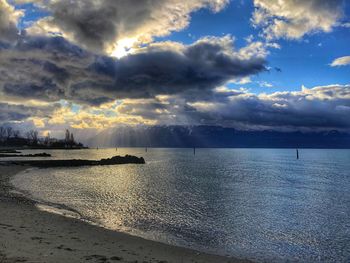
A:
<point x="214" y="136"/>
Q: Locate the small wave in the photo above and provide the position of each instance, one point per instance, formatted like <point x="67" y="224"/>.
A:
<point x="58" y="211"/>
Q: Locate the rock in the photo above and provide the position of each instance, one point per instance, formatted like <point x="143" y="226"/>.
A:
<point x="122" y="160"/>
<point x="26" y="155"/>
<point x="127" y="159"/>
<point x="8" y="151"/>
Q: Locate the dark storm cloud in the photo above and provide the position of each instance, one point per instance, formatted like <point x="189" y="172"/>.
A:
<point x="52" y="69"/>
<point x="44" y="67"/>
<point x="15" y="112"/>
<point x="322" y="108"/>
<point x="96" y="24"/>
<point x="201" y="66"/>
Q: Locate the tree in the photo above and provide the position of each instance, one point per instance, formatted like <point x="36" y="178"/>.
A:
<point x="32" y="136"/>
<point x="28" y="135"/>
<point x="2" y="134"/>
<point x="9" y="132"/>
<point x="47" y="139"/>
<point x="67" y="138"/>
<point x="72" y="138"/>
<point x="16" y="134"/>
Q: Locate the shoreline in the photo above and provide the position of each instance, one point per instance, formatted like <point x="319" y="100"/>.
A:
<point x="28" y="234"/>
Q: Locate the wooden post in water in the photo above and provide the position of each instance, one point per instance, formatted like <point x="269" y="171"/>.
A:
<point x="297" y="154"/>
<point x="194" y="150"/>
<point x="146" y="149"/>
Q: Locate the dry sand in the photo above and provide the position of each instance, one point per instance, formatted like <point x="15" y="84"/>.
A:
<point x="30" y="235"/>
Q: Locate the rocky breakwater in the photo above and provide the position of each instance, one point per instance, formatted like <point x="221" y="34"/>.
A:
<point x="127" y="159"/>
<point x="25" y="155"/>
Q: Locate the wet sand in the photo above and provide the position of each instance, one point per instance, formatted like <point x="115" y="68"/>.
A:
<point x="30" y="235"/>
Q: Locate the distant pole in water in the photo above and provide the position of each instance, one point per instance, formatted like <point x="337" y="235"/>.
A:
<point x="146" y="149"/>
<point x="116" y="149"/>
<point x="194" y="150"/>
<point x="297" y="154"/>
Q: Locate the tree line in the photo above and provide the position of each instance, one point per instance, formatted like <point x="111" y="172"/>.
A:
<point x="13" y="137"/>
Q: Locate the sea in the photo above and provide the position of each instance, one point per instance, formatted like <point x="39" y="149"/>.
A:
<point x="259" y="204"/>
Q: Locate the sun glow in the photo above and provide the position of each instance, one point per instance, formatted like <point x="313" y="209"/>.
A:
<point x="123" y="47"/>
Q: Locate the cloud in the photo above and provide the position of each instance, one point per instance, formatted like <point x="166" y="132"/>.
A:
<point x="99" y="24"/>
<point x="342" y="61"/>
<point x="321" y="108"/>
<point x="324" y="107"/>
<point x="241" y="81"/>
<point x="44" y="67"/>
<point x="8" y="21"/>
<point x="292" y="19"/>
<point x="162" y="82"/>
<point x="265" y="84"/>
<point x="51" y="69"/>
<point x="16" y="112"/>
<point x="318" y="108"/>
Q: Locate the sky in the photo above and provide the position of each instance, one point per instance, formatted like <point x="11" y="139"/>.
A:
<point x="91" y="65"/>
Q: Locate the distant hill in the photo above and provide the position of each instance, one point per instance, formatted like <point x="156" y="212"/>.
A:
<point x="214" y="136"/>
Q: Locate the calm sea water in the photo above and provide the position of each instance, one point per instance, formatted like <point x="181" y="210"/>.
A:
<point x="260" y="204"/>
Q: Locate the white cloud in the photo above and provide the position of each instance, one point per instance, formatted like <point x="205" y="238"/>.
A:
<point x="292" y="19"/>
<point x="9" y="18"/>
<point x="241" y="81"/>
<point x="342" y="61"/>
<point x="265" y="84"/>
<point x="103" y="25"/>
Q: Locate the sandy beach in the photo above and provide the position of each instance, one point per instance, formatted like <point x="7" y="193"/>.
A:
<point x="30" y="235"/>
